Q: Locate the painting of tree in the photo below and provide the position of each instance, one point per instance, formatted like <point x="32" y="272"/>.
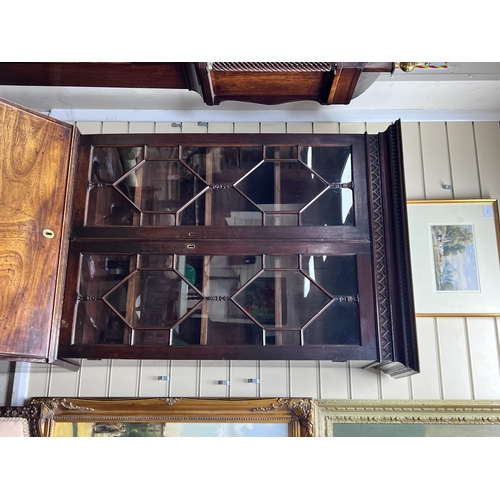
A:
<point x="455" y="261"/>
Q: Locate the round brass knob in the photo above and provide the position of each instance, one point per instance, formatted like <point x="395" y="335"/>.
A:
<point x="48" y="233"/>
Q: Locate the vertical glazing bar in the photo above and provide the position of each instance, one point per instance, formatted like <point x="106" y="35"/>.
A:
<point x="205" y="287"/>
<point x="205" y="290"/>
<point x="278" y="292"/>
<point x="131" y="296"/>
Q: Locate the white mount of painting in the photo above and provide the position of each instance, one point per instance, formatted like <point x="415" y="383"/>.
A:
<point x="454" y="249"/>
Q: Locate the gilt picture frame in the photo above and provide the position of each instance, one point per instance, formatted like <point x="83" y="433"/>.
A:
<point x="454" y="246"/>
<point x="406" y="418"/>
<point x="175" y="417"/>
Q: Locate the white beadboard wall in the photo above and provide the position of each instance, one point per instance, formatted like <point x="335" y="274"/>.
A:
<point x="459" y="357"/>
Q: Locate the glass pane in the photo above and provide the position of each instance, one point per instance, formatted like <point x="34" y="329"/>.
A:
<point x="162" y="153"/>
<point x="189" y="330"/>
<point x="153" y="299"/>
<point x="228" y="325"/>
<point x="282" y="298"/>
<point x="281" y="220"/>
<point x="230" y="208"/>
<point x="337" y="274"/>
<point x="333" y="208"/>
<point x="152" y="261"/>
<point x="160" y="338"/>
<point x="158" y="220"/>
<point x="221" y="164"/>
<point x="285" y="152"/>
<point x="281" y="186"/>
<point x="107" y="207"/>
<point x="221" y="167"/>
<point x="194" y="213"/>
<point x="100" y="273"/>
<point x="280" y="337"/>
<point x="109" y="164"/>
<point x="338" y="324"/>
<point x="96" y="323"/>
<point x="281" y="262"/>
<point x="219" y="277"/>
<point x="191" y="267"/>
<point x="333" y="164"/>
<point x="160" y="186"/>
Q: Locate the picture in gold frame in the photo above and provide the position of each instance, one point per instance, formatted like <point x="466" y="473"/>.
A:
<point x="175" y="417"/>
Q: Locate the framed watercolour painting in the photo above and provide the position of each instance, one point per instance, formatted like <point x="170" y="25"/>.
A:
<point x="175" y="417"/>
<point x="454" y="249"/>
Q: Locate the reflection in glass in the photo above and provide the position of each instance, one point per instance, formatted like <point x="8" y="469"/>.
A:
<point x="158" y="261"/>
<point x="221" y="186"/>
<point x="283" y="152"/>
<point x="107" y="207"/>
<point x="217" y="300"/>
<point x="338" y="324"/>
<point x="160" y="338"/>
<point x="160" y="186"/>
<point x="333" y="208"/>
<point x="333" y="164"/>
<point x="280" y="337"/>
<point x="189" y="330"/>
<point x="96" y="323"/>
<point x="149" y="219"/>
<point x="109" y="164"/>
<point x="162" y="152"/>
<point x="228" y="325"/>
<point x="281" y="261"/>
<point x="223" y="164"/>
<point x="281" y="298"/>
<point x="281" y="220"/>
<point x="153" y="299"/>
<point x="281" y="186"/>
<point x="337" y="274"/>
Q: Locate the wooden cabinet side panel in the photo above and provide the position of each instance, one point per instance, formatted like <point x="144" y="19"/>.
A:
<point x="34" y="155"/>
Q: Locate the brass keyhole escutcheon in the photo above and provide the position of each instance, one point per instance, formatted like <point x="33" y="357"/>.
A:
<point x="190" y="245"/>
<point x="48" y="233"/>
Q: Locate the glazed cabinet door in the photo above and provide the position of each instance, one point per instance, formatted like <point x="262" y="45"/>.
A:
<point x="193" y="301"/>
<point x="256" y="185"/>
<point x="233" y="246"/>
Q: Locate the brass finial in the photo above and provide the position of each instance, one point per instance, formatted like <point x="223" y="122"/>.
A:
<point x="407" y="66"/>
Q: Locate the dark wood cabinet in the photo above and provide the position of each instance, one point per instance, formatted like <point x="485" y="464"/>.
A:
<point x="234" y="246"/>
<point x="258" y="82"/>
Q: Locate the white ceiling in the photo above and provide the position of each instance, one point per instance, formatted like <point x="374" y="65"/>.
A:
<point x="463" y="91"/>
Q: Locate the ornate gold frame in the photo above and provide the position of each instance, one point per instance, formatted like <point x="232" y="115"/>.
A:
<point x="327" y="413"/>
<point x="297" y="413"/>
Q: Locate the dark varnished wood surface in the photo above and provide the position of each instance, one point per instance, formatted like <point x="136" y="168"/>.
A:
<point x="272" y="83"/>
<point x="126" y="74"/>
<point x="34" y="156"/>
